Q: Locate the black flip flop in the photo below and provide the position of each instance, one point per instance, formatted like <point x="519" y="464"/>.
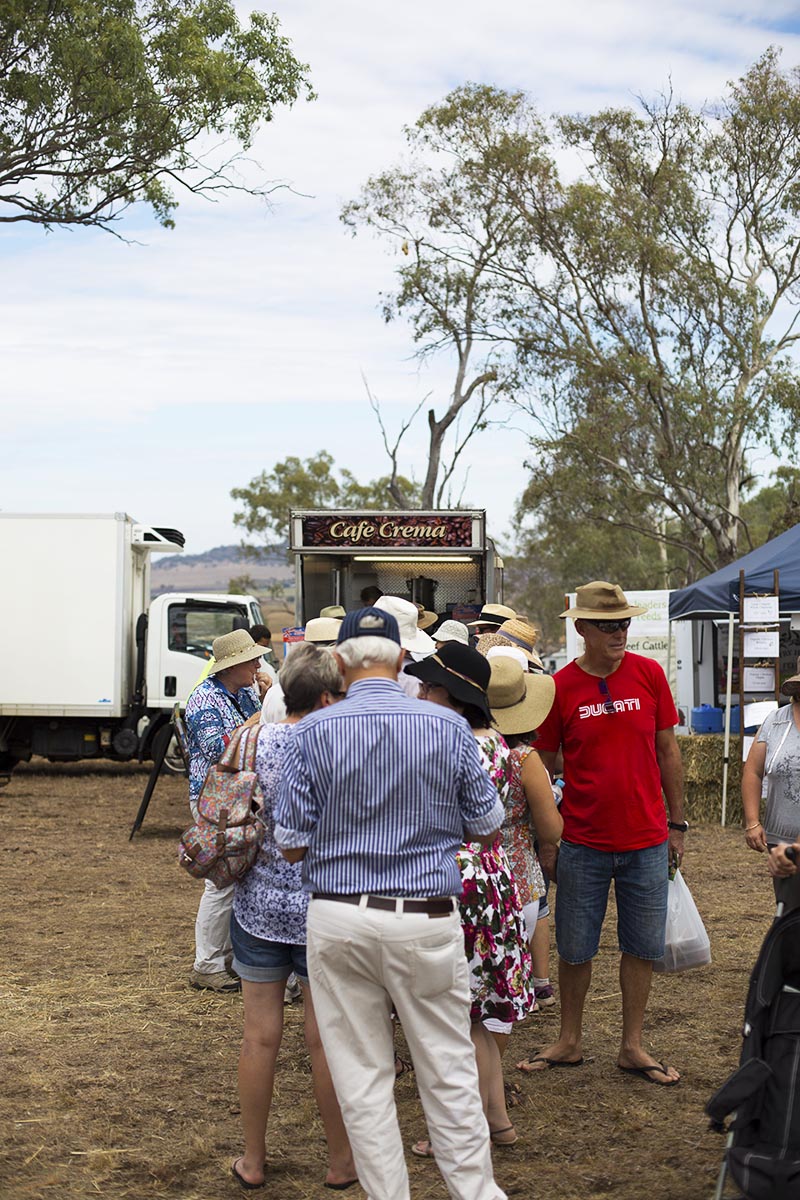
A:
<point x="341" y="1187"/>
<point x="645" y="1073"/>
<point x="245" y="1183"/>
<point x="551" y="1064"/>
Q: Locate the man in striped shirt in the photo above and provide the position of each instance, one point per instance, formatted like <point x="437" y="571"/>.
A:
<point x="378" y="792"/>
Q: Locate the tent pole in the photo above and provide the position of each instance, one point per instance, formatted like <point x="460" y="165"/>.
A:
<point x="728" y="689"/>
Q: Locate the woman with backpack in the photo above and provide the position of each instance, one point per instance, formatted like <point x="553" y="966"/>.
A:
<point x="268" y="933"/>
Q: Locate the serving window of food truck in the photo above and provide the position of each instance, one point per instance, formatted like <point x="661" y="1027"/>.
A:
<point x="442" y="560"/>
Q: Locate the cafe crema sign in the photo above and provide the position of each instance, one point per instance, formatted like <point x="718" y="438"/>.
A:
<point x="373" y="530"/>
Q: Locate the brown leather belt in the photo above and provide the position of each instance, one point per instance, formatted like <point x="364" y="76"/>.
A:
<point x="438" y="906"/>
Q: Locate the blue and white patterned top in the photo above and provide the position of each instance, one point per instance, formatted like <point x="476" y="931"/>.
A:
<point x="383" y="790"/>
<point x="211" y="717"/>
<point x="269" y="902"/>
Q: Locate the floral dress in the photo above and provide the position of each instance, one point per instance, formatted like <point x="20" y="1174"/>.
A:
<point x="501" y="977"/>
<point x="518" y="834"/>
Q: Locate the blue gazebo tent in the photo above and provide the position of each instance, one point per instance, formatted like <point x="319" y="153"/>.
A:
<point x="718" y="594"/>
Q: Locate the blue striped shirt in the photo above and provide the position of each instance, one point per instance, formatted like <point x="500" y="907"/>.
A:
<point x="383" y="789"/>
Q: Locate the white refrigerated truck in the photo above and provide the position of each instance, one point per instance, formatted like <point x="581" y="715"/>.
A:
<point x="90" y="667"/>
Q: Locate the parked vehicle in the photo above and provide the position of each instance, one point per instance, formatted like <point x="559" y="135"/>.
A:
<point x="90" y="667"/>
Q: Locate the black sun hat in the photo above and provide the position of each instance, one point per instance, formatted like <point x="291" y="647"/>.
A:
<point x="461" y="671"/>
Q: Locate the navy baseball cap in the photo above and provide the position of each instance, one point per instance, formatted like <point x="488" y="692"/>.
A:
<point x="369" y="622"/>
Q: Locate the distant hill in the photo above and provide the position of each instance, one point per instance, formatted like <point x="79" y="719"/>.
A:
<point x="213" y="570"/>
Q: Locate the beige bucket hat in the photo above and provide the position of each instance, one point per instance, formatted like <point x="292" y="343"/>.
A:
<point x="601" y="601"/>
<point x="791" y="679"/>
<point x="518" y="700"/>
<point x="233" y="648"/>
<point x="333" y="610"/>
<point x="412" y="638"/>
<point x="322" y="629"/>
<point x="452" y="631"/>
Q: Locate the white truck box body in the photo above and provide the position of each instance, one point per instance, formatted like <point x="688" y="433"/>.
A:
<point x="73" y="586"/>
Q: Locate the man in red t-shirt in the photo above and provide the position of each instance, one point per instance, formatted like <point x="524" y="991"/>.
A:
<point x="613" y="720"/>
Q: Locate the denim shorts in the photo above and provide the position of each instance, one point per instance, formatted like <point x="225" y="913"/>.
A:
<point x="640" y="885"/>
<point x="259" y="961"/>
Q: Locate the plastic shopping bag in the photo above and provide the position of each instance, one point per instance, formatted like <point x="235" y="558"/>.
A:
<point x="687" y="943"/>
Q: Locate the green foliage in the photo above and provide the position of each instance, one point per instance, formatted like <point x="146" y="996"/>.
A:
<point x="296" y="484"/>
<point x="242" y="585"/>
<point x="102" y="102"/>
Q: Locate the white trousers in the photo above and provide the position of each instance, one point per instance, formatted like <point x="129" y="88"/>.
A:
<point x="361" y="962"/>
<point x="212" y="929"/>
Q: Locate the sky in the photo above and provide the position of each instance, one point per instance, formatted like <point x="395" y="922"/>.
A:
<point x="153" y="376"/>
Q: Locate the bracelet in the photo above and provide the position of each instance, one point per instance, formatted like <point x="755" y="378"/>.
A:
<point x="747" y="828"/>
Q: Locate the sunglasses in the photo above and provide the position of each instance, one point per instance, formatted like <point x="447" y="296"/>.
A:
<point x="608" y="703"/>
<point x="609" y="626"/>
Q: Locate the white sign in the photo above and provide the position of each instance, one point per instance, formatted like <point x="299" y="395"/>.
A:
<point x="760" y="610"/>
<point x="746" y="744"/>
<point x="761" y="645"/>
<point x="759" y="679"/>
<point x="754" y="714"/>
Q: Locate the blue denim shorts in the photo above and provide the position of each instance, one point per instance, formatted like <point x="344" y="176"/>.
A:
<point x="640" y="885"/>
<point x="259" y="961"/>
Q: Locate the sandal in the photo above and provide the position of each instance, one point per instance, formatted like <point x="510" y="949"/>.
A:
<point x="402" y="1066"/>
<point x="495" y="1134"/>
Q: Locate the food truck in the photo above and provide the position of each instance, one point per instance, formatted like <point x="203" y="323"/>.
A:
<point x="443" y="560"/>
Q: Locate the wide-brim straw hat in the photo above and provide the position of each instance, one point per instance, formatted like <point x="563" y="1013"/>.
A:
<point x="233" y="648"/>
<point x="322" y="629"/>
<point x="333" y="610"/>
<point x="452" y="631"/>
<point x="496" y="640"/>
<point x="426" y="618"/>
<point x="602" y="601"/>
<point x="405" y="612"/>
<point x="518" y="700"/>
<point x="460" y="670"/>
<point x="493" y="614"/>
<point x="791" y="679"/>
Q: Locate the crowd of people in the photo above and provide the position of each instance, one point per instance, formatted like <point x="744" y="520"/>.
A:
<point x="408" y="770"/>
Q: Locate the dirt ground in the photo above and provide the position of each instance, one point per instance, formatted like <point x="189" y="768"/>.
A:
<point x="120" y="1081"/>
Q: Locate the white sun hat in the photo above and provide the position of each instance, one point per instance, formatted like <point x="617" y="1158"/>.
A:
<point x="412" y="638"/>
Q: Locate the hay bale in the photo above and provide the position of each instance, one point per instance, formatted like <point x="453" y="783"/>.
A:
<point x="703" y="761"/>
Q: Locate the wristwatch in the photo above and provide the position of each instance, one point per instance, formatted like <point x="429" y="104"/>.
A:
<point x="680" y="826"/>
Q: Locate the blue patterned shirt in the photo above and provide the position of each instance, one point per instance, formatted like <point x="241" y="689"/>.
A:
<point x="383" y="790"/>
<point x="211" y="717"/>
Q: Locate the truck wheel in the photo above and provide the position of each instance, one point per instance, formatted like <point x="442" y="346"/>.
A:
<point x="173" y="759"/>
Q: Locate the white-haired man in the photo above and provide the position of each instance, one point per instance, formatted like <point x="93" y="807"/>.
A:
<point x="375" y="802"/>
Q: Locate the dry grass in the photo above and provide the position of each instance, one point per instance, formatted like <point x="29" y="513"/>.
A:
<point x="119" y="1080"/>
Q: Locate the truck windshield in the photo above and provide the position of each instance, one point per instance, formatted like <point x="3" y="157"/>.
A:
<point x="193" y="627"/>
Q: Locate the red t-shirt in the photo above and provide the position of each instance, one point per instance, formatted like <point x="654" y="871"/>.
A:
<point x="612" y="784"/>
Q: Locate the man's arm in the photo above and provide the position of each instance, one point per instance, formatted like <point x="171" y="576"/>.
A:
<point x="296" y="811"/>
<point x="670" y="766"/>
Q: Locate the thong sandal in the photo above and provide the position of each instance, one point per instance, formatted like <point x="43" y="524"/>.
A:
<point x="551" y="1063"/>
<point x="402" y="1066"/>
<point x="645" y="1073"/>
<point x="341" y="1187"/>
<point x="245" y="1183"/>
<point x="494" y="1136"/>
<point x="423" y="1149"/>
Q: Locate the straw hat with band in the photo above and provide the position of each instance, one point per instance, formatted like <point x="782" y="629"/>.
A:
<point x="497" y="640"/>
<point x="792" y="679"/>
<point x="493" y="614"/>
<point x="461" y="671"/>
<point x="524" y="635"/>
<point x="426" y="618"/>
<point x="519" y="701"/>
<point x="233" y="648"/>
<point x="601" y="601"/>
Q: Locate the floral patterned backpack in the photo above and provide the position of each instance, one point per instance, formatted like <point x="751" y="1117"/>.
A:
<point x="224" y="841"/>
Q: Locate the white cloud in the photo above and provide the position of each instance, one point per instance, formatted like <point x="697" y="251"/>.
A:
<point x="155" y="377"/>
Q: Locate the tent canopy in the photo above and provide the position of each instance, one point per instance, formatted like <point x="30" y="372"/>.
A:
<point x="718" y="594"/>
